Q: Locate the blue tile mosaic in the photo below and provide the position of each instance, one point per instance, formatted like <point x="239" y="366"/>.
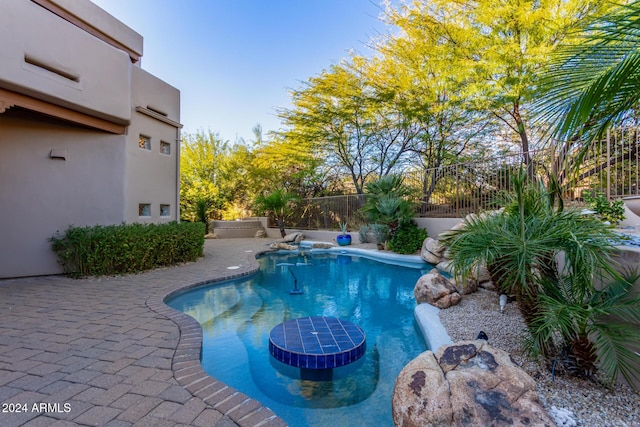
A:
<point x="317" y="342"/>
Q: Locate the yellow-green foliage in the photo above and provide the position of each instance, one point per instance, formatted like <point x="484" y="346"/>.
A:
<point x="126" y="248"/>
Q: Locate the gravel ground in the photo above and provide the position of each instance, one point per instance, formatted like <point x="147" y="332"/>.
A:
<point x="590" y="403"/>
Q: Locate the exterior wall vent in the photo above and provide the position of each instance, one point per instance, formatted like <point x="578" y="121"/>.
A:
<point x="58" y="153"/>
<point x="41" y="65"/>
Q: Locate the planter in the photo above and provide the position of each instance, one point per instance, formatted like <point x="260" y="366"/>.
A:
<point x="343" y="239"/>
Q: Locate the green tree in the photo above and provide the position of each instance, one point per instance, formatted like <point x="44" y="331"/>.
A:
<point x="200" y="159"/>
<point x="280" y="162"/>
<point x="415" y="67"/>
<point x="496" y="49"/>
<point x="353" y="126"/>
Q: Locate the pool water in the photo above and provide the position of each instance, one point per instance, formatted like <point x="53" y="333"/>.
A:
<point x="237" y="316"/>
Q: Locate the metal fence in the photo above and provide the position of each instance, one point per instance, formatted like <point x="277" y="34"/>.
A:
<point x="609" y="166"/>
<point x="324" y="213"/>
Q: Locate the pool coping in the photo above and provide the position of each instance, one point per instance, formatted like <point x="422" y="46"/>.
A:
<point x="187" y="368"/>
<point x="242" y="409"/>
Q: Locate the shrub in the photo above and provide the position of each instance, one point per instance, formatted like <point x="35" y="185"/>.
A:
<point x="362" y="233"/>
<point x="408" y="238"/>
<point x="380" y="232"/>
<point x="126" y="248"/>
<point x="611" y="211"/>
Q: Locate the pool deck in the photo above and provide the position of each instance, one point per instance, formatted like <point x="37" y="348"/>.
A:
<point x="108" y="352"/>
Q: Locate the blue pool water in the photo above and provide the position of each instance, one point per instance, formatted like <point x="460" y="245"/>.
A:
<point x="237" y="316"/>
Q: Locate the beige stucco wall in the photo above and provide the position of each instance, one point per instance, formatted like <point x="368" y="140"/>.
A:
<point x="31" y="34"/>
<point x="104" y="175"/>
<point x="90" y="14"/>
<point x="40" y="195"/>
<point x="151" y="177"/>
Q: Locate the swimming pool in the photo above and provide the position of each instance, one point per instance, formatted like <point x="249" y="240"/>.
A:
<point x="237" y="316"/>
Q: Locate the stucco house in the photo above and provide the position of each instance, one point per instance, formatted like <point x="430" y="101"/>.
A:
<point x="86" y="135"/>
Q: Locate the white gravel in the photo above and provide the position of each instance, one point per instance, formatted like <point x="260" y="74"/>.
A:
<point x="581" y="402"/>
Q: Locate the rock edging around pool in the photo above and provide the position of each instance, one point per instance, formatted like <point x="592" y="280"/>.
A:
<point x="469" y="383"/>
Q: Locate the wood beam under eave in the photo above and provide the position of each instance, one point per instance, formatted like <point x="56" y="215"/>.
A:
<point x="9" y="99"/>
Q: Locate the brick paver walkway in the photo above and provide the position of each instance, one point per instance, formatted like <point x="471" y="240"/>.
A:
<point x="108" y="352"/>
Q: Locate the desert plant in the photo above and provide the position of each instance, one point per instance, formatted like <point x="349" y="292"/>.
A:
<point x="521" y="247"/>
<point x="343" y="227"/>
<point x="380" y="232"/>
<point x="388" y="202"/>
<point x="590" y="328"/>
<point x="202" y="213"/>
<point x="363" y="233"/>
<point x="279" y="204"/>
<point x="408" y="238"/>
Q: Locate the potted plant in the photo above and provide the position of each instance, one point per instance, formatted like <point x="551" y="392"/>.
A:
<point x="343" y="239"/>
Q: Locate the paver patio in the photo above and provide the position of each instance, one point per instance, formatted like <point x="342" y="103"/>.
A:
<point x="107" y="351"/>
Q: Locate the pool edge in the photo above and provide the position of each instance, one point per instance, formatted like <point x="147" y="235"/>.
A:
<point x="186" y="364"/>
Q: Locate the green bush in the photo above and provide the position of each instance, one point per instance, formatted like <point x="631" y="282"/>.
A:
<point x="126" y="248"/>
<point x="611" y="211"/>
<point x="408" y="238"/>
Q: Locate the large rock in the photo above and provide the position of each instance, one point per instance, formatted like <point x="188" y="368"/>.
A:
<point x="295" y="238"/>
<point x="469" y="383"/>
<point x="427" y="255"/>
<point x="434" y="246"/>
<point x="466" y="286"/>
<point x="445" y="267"/>
<point x="481" y="273"/>
<point x="435" y="289"/>
<point x="282" y="245"/>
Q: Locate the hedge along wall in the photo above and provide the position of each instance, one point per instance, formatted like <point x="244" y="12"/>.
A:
<point x="127" y="248"/>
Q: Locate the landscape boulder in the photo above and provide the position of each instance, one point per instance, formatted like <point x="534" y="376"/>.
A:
<point x="429" y="256"/>
<point x="469" y="383"/>
<point x="435" y="289"/>
<point x="282" y="245"/>
<point x="322" y="245"/>
<point x="465" y="286"/>
<point x="295" y="238"/>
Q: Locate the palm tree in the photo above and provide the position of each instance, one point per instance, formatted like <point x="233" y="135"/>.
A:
<point x="388" y="202"/>
<point x="591" y="328"/>
<point x="550" y="259"/>
<point x="278" y="203"/>
<point x="590" y="85"/>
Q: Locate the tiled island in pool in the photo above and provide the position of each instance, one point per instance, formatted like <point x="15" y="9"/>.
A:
<point x="317" y="343"/>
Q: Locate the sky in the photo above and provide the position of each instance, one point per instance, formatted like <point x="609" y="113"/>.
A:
<point x="234" y="61"/>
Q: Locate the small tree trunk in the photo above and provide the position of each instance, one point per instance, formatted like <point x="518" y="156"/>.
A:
<point x="281" y="227"/>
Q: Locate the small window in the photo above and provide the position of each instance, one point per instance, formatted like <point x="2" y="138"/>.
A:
<point x="144" y="209"/>
<point x="165" y="147"/>
<point x="144" y="142"/>
<point x="165" y="210"/>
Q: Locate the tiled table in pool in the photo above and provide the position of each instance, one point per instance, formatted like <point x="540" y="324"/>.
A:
<point x="317" y="343"/>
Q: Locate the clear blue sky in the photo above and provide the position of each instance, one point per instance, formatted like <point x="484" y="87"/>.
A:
<point x="234" y="60"/>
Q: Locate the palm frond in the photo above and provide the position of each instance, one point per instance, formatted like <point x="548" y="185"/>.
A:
<point x="592" y="84"/>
